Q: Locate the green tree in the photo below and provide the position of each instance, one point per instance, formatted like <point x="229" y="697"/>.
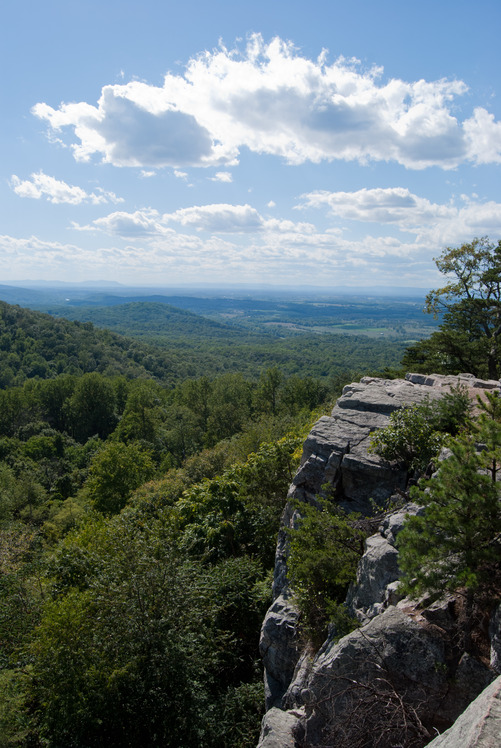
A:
<point x="142" y="413"/>
<point x="325" y="547"/>
<point x="456" y="542"/>
<point x="229" y="407"/>
<point x="127" y="661"/>
<point x="469" y="338"/>
<point x="116" y="471"/>
<point x="91" y="407"/>
<point x="267" y="393"/>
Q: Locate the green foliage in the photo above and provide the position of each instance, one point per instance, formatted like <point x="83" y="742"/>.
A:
<point x="91" y="408"/>
<point x="237" y="512"/>
<point x="130" y="612"/>
<point x="325" y="548"/>
<point x="15" y="727"/>
<point x="456" y="541"/>
<point x="238" y="720"/>
<point x="142" y="645"/>
<point x="196" y="346"/>
<point x="410" y="437"/>
<point x="470" y="332"/>
<point x="35" y="345"/>
<point x="124" y="664"/>
<point x="116" y="470"/>
<point x="415" y="435"/>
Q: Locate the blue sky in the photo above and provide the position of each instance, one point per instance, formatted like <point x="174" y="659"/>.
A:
<point x="318" y="143"/>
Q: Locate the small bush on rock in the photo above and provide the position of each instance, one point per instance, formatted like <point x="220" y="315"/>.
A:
<point x="415" y="435"/>
<point x="325" y="549"/>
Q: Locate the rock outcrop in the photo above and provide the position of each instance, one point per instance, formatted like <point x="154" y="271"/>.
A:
<point x="480" y="724"/>
<point x="401" y="658"/>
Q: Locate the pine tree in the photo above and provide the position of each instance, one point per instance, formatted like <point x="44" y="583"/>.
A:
<point x="456" y="543"/>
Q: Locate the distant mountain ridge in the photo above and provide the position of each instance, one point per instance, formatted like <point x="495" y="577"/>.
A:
<point x="147" y="319"/>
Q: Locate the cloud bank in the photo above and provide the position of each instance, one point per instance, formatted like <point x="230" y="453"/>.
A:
<point x="433" y="223"/>
<point x="272" y="100"/>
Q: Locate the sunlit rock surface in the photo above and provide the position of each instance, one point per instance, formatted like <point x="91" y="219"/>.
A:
<point x="413" y="649"/>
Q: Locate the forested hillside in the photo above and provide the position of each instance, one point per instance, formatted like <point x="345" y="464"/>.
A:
<point x="140" y="494"/>
<point x="138" y="514"/>
<point x="36" y="345"/>
<point x="174" y="344"/>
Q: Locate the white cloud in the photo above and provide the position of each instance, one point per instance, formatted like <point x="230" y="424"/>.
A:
<point x="217" y="218"/>
<point x="432" y="223"/>
<point x="140" y="224"/>
<point x="484" y="137"/>
<point x="222" y="176"/>
<point x="271" y="99"/>
<point x="56" y="191"/>
<point x="392" y="205"/>
<point x="271" y="204"/>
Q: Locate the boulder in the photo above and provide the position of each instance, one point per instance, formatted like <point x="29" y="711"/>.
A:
<point x="470" y="679"/>
<point x="278" y="647"/>
<point x="402" y="657"/>
<point x="392" y="660"/>
<point x="480" y="724"/>
<point x="394" y="522"/>
<point x="377" y="568"/>
<point x="277" y="729"/>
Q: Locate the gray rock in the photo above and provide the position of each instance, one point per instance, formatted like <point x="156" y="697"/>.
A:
<point x="392" y="653"/>
<point x="384" y="395"/>
<point x="377" y="568"/>
<point x="289" y="518"/>
<point x="479" y="726"/>
<point x="441" y="380"/>
<point x="495" y="635"/>
<point x="337" y="460"/>
<point x="368" y="480"/>
<point x="279" y="648"/>
<point x="470" y="679"/>
<point x="394" y="522"/>
<point x="298" y="693"/>
<point x="277" y="729"/>
<point x="442" y="613"/>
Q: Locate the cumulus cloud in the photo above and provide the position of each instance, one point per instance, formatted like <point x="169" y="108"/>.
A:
<point x="271" y="99"/>
<point x="218" y="218"/>
<point x="140" y="224"/>
<point x="271" y="256"/>
<point x="56" y="191"/>
<point x="222" y="176"/>
<point x="392" y="205"/>
<point x="432" y="223"/>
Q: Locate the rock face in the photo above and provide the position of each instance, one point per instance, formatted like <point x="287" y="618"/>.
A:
<point x="279" y="648"/>
<point x="479" y="726"/>
<point x="400" y="659"/>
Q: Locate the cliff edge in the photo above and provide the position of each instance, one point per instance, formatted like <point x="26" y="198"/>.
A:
<point x="403" y="668"/>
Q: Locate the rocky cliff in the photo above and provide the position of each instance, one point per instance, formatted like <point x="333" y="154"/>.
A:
<point x="401" y="676"/>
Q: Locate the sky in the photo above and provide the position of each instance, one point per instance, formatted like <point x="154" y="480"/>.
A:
<point x="283" y="143"/>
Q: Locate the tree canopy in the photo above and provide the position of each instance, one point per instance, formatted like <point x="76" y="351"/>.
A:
<point x="469" y="338"/>
<point x="454" y="544"/>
